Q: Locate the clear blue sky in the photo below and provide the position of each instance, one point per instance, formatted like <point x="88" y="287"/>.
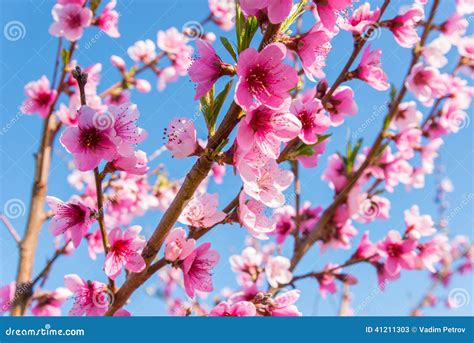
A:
<point x="32" y="56"/>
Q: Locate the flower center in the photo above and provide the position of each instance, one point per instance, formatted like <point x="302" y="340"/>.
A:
<point x="394" y="250"/>
<point x="74" y="20"/>
<point x="90" y="138"/>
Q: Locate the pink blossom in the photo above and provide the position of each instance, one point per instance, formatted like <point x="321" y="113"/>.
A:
<point x="341" y="103"/>
<point x="196" y="269"/>
<point x="94" y="244"/>
<point x="40" y="96"/>
<point x="142" y="85"/>
<point x="399" y="253"/>
<point x="135" y="164"/>
<point x="70" y="21"/>
<point x="123" y="118"/>
<point x="455" y="26"/>
<point x="249" y="262"/>
<point x="201" y="211"/>
<point x="403" y="26"/>
<point x="278" y="271"/>
<point x="223" y="13"/>
<point x="239" y="309"/>
<point x="429" y="152"/>
<point x="430" y="253"/>
<point x="366" y="248"/>
<point x="177" y="247"/>
<point x="67" y="116"/>
<point x="418" y="225"/>
<point x="266" y="184"/>
<point x="313" y="160"/>
<point x="335" y="173"/>
<point x="268" y="129"/>
<point x="398" y="171"/>
<point x="277" y="10"/>
<point x="328" y="9"/>
<point x="407" y="141"/>
<point x="309" y="216"/>
<point x="313" y="119"/>
<point x="362" y="18"/>
<point x="285" y="224"/>
<point x="73" y="217"/>
<point x="125" y="250"/>
<point x="89" y="142"/>
<point x="182" y="139"/>
<point x="342" y="232"/>
<point x="434" y="53"/>
<point x="90" y="297"/>
<point x="171" y="41"/>
<point x="327" y="281"/>
<point x="364" y="208"/>
<point x="313" y="48"/>
<point x="252" y="217"/>
<point x="7" y="296"/>
<point x="206" y="69"/>
<point x="142" y="51"/>
<point x="218" y="172"/>
<point x="283" y="305"/>
<point x="464" y="6"/>
<point x="47" y="304"/>
<point x="263" y="78"/>
<point x="407" y="116"/>
<point x="108" y="19"/>
<point x="370" y="69"/>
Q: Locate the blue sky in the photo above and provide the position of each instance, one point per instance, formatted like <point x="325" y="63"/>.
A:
<point x="32" y="56"/>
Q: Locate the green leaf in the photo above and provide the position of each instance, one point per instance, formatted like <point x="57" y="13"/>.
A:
<point x="295" y="13"/>
<point x="217" y="105"/>
<point x="94" y="5"/>
<point x="65" y="57"/>
<point x="228" y="46"/>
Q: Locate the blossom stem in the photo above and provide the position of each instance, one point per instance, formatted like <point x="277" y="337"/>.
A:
<point x="296" y="233"/>
<point x="36" y="215"/>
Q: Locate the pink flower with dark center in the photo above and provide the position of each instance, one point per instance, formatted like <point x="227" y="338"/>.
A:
<point x="40" y="97"/>
<point x="46" y="304"/>
<point x="69" y="216"/>
<point x="313" y="119"/>
<point x="282" y="305"/>
<point x="399" y="253"/>
<point x="361" y="19"/>
<point x="425" y="83"/>
<point x="177" y="246"/>
<point x="328" y="9"/>
<point x="285" y="223"/>
<point x="125" y="250"/>
<point x="91" y="141"/>
<point x="239" y="309"/>
<point x="206" y="69"/>
<point x="263" y="78"/>
<point x="341" y="104"/>
<point x="70" y="21"/>
<point x="108" y="19"/>
<point x="142" y="51"/>
<point x="197" y="269"/>
<point x="252" y="217"/>
<point x="407" y="116"/>
<point x="182" y="139"/>
<point x="403" y="26"/>
<point x="201" y="211"/>
<point x="278" y="271"/>
<point x="398" y="171"/>
<point x="7" y="295"/>
<point x="91" y="298"/>
<point x="370" y="69"/>
<point x="266" y="184"/>
<point x="267" y="128"/>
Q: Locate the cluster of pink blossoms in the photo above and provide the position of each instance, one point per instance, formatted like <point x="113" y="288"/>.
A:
<point x="276" y="121"/>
